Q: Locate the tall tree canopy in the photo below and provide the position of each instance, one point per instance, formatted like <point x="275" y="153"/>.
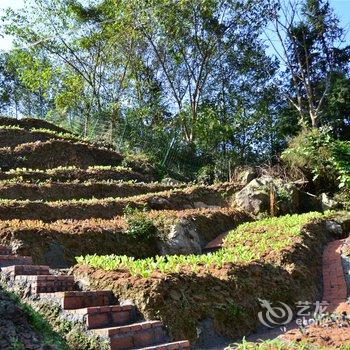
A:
<point x="189" y="82"/>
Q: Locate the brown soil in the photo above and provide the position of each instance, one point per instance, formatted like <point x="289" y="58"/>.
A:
<point x="109" y="208"/>
<point x="76" y="174"/>
<point x="13" y="138"/>
<point x="65" y="191"/>
<point x="54" y="153"/>
<point x="58" y="243"/>
<point x="228" y="296"/>
<point x="30" y="123"/>
<point x="103" y="237"/>
<point x="330" y="335"/>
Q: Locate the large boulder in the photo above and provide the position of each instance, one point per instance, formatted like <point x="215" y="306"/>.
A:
<point x="182" y="238"/>
<point x="246" y="176"/>
<point x="260" y="194"/>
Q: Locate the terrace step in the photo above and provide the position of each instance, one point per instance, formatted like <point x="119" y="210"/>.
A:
<point x="4" y="250"/>
<point x="80" y="299"/>
<point x="9" y="260"/>
<point x="179" y="345"/>
<point x="94" y="307"/>
<point x="16" y="270"/>
<point x="58" y="191"/>
<point x="136" y="335"/>
<point x="107" y="316"/>
<point x="46" y="283"/>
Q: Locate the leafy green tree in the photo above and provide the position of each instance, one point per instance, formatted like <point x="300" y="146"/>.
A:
<point x="309" y="35"/>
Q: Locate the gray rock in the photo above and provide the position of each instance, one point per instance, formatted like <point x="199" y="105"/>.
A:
<point x="334" y="228"/>
<point x="255" y="197"/>
<point x="159" y="203"/>
<point x="182" y="239"/>
<point x="328" y="203"/>
<point x="208" y="337"/>
<point x="246" y="176"/>
<point x="201" y="205"/>
<point x="168" y="181"/>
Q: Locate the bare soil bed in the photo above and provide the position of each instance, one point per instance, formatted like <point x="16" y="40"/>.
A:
<point x="58" y="243"/>
<point x="54" y="153"/>
<point x="54" y="191"/>
<point x="331" y="335"/>
<point x="62" y="174"/>
<point x="190" y="198"/>
<point x="13" y="138"/>
<point x="30" y="123"/>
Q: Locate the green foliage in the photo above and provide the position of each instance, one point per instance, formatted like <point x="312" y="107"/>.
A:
<point x="139" y="224"/>
<point x="270" y="234"/>
<point x="39" y="324"/>
<point x="322" y="159"/>
<point x="195" y="89"/>
<point x="275" y="344"/>
<point x="343" y="196"/>
<point x="16" y="344"/>
<point x="245" y="244"/>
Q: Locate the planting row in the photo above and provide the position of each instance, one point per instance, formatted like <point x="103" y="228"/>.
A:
<point x="73" y="173"/>
<point x="54" y="153"/>
<point x="138" y="234"/>
<point x="65" y="191"/>
<point x="61" y="153"/>
<point x="12" y="136"/>
<point x="30" y="123"/>
<point x="281" y="264"/>
<point x="243" y="245"/>
<point x="196" y="197"/>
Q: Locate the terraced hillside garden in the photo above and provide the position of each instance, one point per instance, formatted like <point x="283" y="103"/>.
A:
<point x="174" y="175"/>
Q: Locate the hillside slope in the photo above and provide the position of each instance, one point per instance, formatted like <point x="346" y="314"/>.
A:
<point x="53" y="180"/>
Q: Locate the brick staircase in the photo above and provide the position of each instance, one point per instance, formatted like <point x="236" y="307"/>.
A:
<point x="119" y="324"/>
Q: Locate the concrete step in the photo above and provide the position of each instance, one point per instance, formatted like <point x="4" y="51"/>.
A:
<point x="136" y="335"/>
<point x="9" y="260"/>
<point x="15" y="270"/>
<point x="107" y="316"/>
<point x="5" y="250"/>
<point x="46" y="283"/>
<point x="178" y="345"/>
<point x="80" y="299"/>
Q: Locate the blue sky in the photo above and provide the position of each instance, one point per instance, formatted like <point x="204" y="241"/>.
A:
<point x="341" y="7"/>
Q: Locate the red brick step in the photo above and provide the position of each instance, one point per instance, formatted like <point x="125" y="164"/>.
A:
<point x="80" y="299"/>
<point x="47" y="283"/>
<point x="179" y="345"/>
<point x="95" y="308"/>
<point x="15" y="270"/>
<point x="133" y="336"/>
<point x="9" y="260"/>
<point x="107" y="316"/>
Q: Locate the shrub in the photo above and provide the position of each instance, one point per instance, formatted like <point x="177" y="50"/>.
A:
<point x="139" y="224"/>
<point x="320" y="158"/>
